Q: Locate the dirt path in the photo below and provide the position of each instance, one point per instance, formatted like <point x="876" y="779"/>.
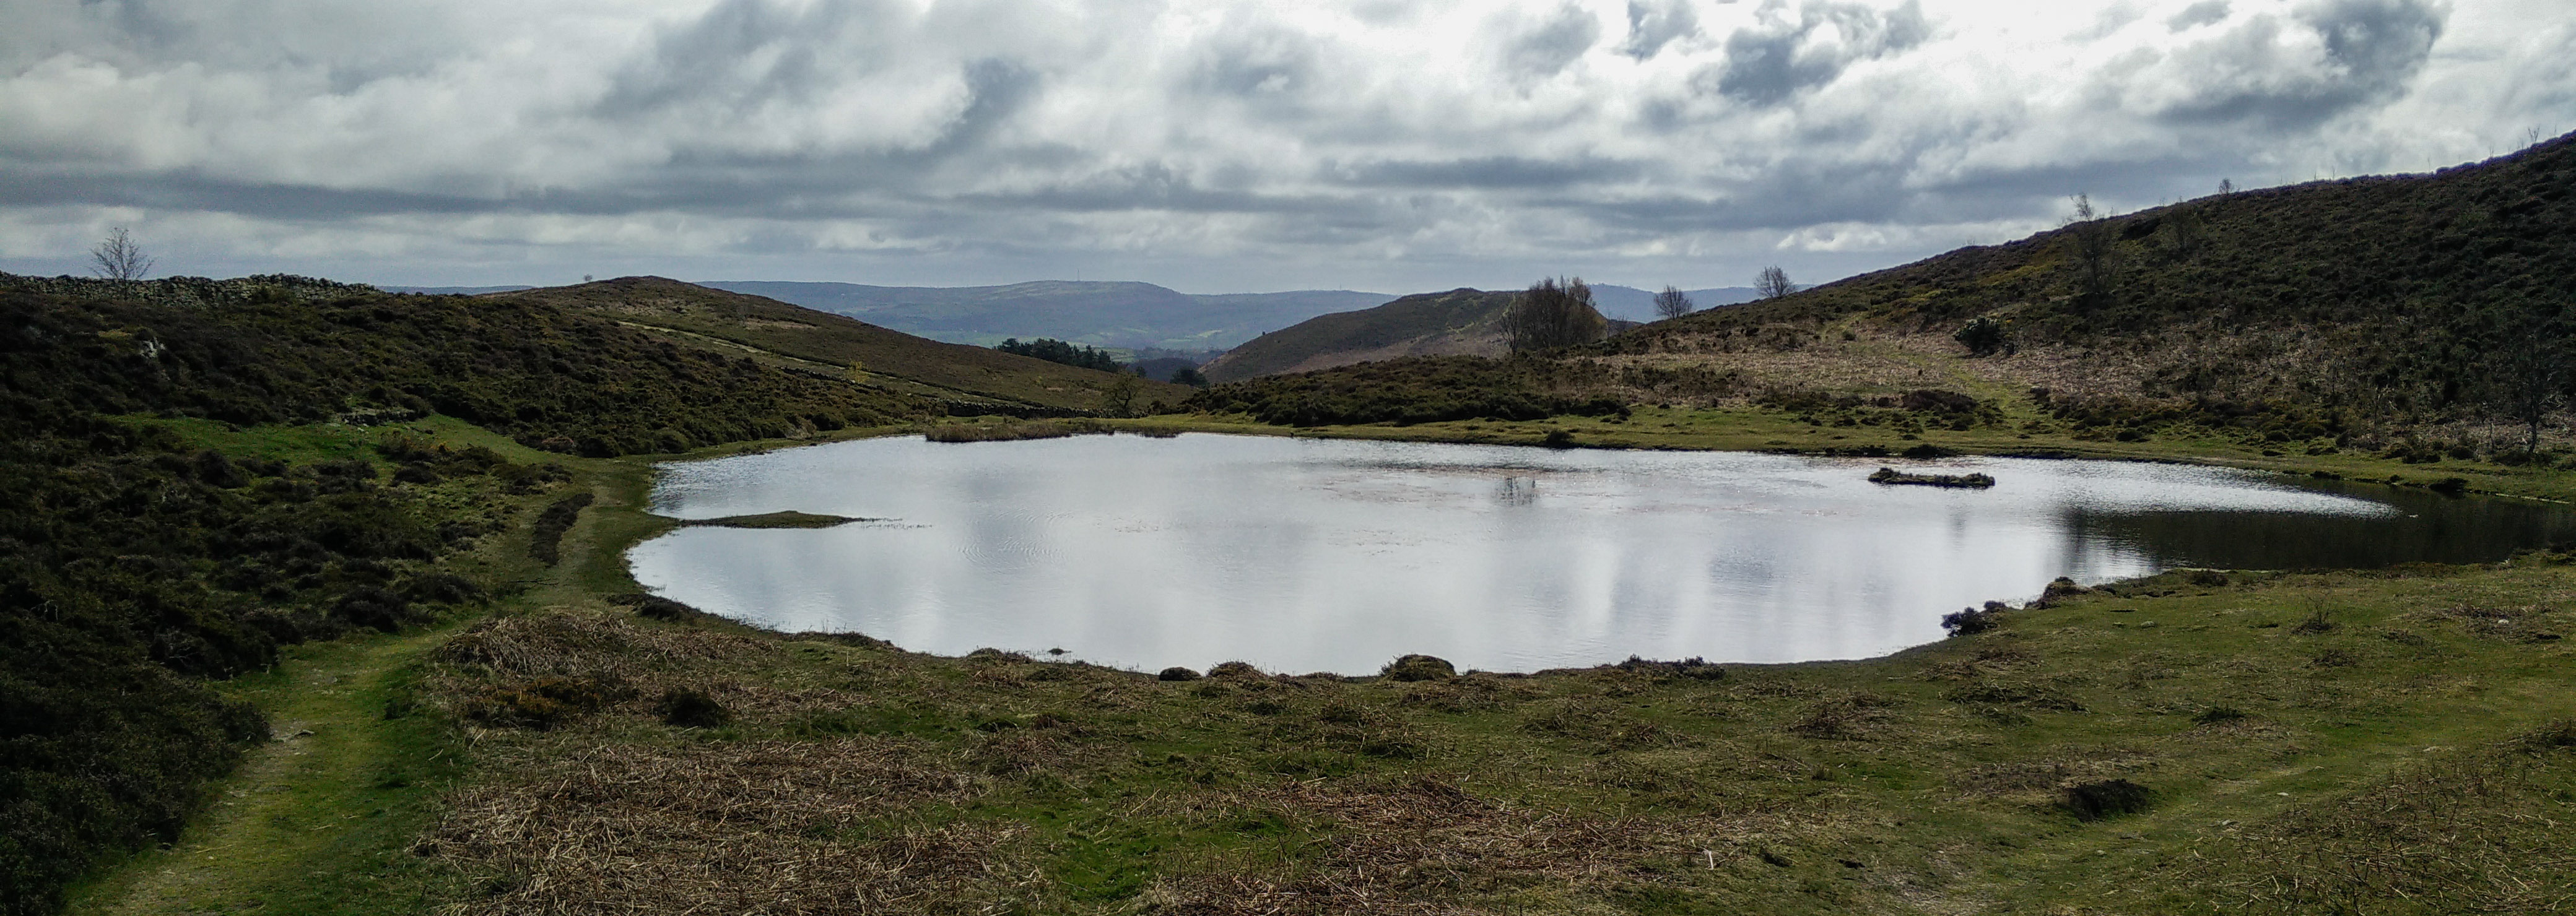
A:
<point x="335" y="777"/>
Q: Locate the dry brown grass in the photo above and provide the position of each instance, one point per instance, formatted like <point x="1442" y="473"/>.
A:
<point x="1430" y="847"/>
<point x="753" y="827"/>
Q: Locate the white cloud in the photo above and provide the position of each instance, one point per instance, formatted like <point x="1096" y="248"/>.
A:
<point x="1219" y="144"/>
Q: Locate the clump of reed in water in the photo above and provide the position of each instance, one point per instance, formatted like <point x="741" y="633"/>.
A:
<point x="1968" y="481"/>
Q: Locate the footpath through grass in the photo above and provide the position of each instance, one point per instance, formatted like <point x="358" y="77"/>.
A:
<point x="323" y="818"/>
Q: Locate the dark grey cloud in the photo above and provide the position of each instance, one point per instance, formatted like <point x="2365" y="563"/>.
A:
<point x="2256" y="72"/>
<point x="1768" y="62"/>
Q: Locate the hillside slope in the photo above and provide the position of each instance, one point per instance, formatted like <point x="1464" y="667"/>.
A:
<point x="1460" y="322"/>
<point x="975" y="379"/>
<point x="1112" y="314"/>
<point x="2376" y="310"/>
<point x="2391" y="296"/>
<point x="189" y="481"/>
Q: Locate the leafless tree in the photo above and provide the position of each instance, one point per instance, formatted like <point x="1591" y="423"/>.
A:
<point x="1671" y="303"/>
<point x="117" y="257"/>
<point x="1552" y="314"/>
<point x="1773" y="282"/>
<point x="2531" y="370"/>
<point x="2092" y="235"/>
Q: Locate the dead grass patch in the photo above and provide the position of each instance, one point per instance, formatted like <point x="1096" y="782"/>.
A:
<point x="739" y="828"/>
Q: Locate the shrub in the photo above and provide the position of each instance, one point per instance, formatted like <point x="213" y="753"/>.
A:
<point x="545" y="538"/>
<point x="1969" y="621"/>
<point x="1176" y="673"/>
<point x="2093" y="801"/>
<point x="2218" y="715"/>
<point x="1418" y="668"/>
<point x="2317" y="622"/>
<point x="1983" y="337"/>
<point x="689" y="707"/>
<point x="1234" y="670"/>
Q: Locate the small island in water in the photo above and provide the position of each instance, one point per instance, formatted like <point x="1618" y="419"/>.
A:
<point x="1965" y="481"/>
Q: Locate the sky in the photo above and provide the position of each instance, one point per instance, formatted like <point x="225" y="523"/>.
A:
<point x="1206" y="145"/>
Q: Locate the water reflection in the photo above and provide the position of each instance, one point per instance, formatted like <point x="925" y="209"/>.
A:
<point x="1306" y="555"/>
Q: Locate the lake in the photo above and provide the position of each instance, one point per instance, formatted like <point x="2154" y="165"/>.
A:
<point x="1303" y="555"/>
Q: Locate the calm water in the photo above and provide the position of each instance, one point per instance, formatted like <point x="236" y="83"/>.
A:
<point x="1325" y="555"/>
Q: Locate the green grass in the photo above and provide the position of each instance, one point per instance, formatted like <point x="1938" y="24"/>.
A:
<point x="1937" y="771"/>
<point x="320" y="820"/>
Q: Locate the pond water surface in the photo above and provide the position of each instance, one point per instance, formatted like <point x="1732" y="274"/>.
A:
<point x="1306" y="555"/>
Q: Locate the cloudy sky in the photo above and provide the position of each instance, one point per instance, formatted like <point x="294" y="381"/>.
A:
<point x="1208" y="145"/>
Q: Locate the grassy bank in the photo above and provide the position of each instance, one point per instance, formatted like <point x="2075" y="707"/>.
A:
<point x="2023" y="431"/>
<point x="2377" y="741"/>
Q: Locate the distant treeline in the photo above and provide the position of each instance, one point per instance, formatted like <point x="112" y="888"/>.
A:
<point x="1057" y="351"/>
<point x="134" y="566"/>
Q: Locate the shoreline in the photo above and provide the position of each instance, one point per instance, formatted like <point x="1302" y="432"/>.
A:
<point x="1166" y="426"/>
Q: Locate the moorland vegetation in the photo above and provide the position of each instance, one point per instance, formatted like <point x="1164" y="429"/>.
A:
<point x="2422" y="316"/>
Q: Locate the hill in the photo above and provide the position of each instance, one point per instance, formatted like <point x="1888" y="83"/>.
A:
<point x="1460" y="322"/>
<point x="196" y="473"/>
<point x="2420" y="312"/>
<point x="1124" y="315"/>
<point x="972" y="379"/>
<point x="1457" y="322"/>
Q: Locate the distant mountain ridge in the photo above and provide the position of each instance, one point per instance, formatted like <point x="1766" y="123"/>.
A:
<point x="1099" y="313"/>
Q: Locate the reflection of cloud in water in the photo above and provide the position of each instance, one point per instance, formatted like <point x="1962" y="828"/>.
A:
<point x="1309" y="555"/>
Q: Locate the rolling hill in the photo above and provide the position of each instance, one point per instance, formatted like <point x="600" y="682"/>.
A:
<point x="1124" y="315"/>
<point x="1457" y="322"/>
<point x="1460" y="322"/>
<point x="971" y="379"/>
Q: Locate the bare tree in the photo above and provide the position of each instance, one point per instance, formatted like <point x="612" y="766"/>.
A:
<point x="117" y="257"/>
<point x="1773" y="282"/>
<point x="1671" y="303"/>
<point x="2092" y="235"/>
<point x="1552" y="314"/>
<point x="2531" y="369"/>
